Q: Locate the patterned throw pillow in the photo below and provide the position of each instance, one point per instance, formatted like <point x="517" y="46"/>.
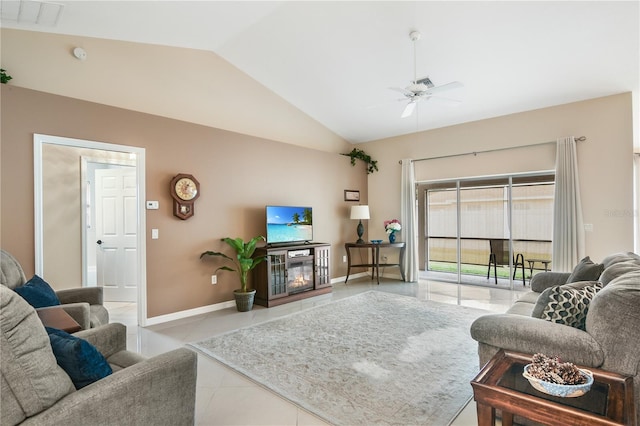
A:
<point x="569" y="306"/>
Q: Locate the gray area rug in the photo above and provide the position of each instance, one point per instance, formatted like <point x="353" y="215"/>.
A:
<point x="372" y="359"/>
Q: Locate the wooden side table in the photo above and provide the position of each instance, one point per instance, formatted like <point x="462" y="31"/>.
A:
<point x="375" y="258"/>
<point x="56" y="317"/>
<point x="500" y="385"/>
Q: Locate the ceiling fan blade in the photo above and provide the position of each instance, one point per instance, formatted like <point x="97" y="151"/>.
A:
<point x="403" y="91"/>
<point x="442" y="98"/>
<point x="408" y="110"/>
<point x="448" y="86"/>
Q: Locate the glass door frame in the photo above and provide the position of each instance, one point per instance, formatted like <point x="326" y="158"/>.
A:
<point x="541" y="176"/>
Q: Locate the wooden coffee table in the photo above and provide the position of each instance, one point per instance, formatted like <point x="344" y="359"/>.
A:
<point x="56" y="317"/>
<point x="500" y="385"/>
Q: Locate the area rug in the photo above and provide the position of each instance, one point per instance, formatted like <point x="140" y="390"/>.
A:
<point x="371" y="359"/>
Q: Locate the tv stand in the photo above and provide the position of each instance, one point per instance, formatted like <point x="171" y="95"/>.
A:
<point x="292" y="272"/>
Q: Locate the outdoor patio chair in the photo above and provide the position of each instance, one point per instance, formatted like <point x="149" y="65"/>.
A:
<point x="500" y="257"/>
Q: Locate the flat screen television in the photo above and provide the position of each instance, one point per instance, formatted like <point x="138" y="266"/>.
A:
<point x="289" y="224"/>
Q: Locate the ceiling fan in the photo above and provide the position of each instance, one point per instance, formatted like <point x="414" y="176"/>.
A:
<point x="422" y="89"/>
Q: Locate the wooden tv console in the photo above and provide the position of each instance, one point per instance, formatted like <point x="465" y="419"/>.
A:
<point x="292" y="272"/>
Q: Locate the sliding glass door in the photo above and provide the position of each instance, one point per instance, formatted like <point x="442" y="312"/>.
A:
<point x="485" y="231"/>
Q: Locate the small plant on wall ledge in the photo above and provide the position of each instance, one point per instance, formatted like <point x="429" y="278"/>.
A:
<point x="372" y="165"/>
<point x="4" y="78"/>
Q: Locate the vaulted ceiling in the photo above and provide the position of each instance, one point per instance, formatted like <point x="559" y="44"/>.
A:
<point x="336" y="61"/>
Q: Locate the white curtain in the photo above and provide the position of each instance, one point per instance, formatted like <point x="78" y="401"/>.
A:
<point x="568" y="228"/>
<point x="409" y="221"/>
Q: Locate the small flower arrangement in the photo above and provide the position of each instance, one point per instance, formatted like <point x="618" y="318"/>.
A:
<point x="391" y="226"/>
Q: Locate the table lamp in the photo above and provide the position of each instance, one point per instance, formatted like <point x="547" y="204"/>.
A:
<point x="360" y="212"/>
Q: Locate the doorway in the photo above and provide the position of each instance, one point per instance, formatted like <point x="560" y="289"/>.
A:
<point x="62" y="210"/>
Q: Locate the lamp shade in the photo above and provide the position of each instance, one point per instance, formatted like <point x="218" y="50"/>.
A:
<point x="359" y="212"/>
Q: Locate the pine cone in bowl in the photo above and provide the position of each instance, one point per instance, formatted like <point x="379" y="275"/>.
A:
<point x="554" y="377"/>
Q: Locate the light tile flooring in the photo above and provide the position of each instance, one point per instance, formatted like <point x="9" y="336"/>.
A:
<point x="224" y="397"/>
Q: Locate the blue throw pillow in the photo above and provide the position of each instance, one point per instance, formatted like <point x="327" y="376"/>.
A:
<point x="38" y="293"/>
<point x="82" y="362"/>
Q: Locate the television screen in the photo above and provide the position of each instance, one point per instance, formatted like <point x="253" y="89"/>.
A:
<point x="286" y="224"/>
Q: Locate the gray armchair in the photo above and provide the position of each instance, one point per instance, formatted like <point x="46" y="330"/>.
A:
<point x="85" y="305"/>
<point x="36" y="391"/>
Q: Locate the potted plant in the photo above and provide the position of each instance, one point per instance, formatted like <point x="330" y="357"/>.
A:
<point x="243" y="263"/>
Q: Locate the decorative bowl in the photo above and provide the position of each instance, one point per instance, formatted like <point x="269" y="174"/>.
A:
<point x="376" y="241"/>
<point x="555" y="389"/>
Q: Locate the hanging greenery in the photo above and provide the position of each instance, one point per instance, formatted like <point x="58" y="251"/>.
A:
<point x="372" y="165"/>
<point x="4" y="78"/>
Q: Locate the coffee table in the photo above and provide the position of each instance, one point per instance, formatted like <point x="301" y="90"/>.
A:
<point x="500" y="385"/>
<point x="56" y="317"/>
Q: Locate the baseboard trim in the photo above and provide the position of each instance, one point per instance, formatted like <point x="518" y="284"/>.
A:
<point x="160" y="319"/>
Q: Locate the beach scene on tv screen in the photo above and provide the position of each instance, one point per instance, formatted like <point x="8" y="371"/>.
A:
<point x="287" y="223"/>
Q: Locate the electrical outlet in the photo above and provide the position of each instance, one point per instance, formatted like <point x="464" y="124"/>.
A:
<point x="344" y="259"/>
<point x="214" y="279"/>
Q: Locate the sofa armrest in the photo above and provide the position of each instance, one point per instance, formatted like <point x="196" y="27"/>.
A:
<point x="533" y="335"/>
<point x="90" y="295"/>
<point x="80" y="312"/>
<point x="158" y="391"/>
<point x="108" y="339"/>
<point x="543" y="280"/>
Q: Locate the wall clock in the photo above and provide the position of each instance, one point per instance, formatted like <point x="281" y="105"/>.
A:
<point x="185" y="189"/>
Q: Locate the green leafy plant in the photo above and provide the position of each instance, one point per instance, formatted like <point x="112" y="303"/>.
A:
<point x="358" y="154"/>
<point x="4" y="77"/>
<point x="244" y="260"/>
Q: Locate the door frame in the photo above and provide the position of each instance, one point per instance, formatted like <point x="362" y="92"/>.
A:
<point x="457" y="184"/>
<point x="38" y="141"/>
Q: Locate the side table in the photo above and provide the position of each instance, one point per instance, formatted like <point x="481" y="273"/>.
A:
<point x="500" y="385"/>
<point x="57" y="317"/>
<point x="375" y="258"/>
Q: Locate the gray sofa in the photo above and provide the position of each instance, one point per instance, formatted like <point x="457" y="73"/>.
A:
<point x="83" y="304"/>
<point x="609" y="340"/>
<point x="35" y="390"/>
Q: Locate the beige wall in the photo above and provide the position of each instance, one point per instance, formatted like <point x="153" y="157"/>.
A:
<point x="187" y="84"/>
<point x="605" y="161"/>
<point x="239" y="175"/>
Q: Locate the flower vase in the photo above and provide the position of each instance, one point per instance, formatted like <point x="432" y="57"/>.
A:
<point x="392" y="237"/>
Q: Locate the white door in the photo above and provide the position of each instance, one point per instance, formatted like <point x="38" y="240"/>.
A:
<point x="116" y="226"/>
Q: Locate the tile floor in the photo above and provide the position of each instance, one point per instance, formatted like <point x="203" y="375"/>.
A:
<point x="224" y="397"/>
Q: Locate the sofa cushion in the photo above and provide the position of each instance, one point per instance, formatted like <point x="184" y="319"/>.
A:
<point x="38" y="293"/>
<point x="79" y="358"/>
<point x="618" y="269"/>
<point x="567" y="305"/>
<point x="585" y="270"/>
<point x="619" y="257"/>
<point x="32" y="381"/>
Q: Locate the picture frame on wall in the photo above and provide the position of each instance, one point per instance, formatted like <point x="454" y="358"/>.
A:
<point x="351" y="195"/>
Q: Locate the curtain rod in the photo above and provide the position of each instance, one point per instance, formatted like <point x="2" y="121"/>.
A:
<point x="578" y="139"/>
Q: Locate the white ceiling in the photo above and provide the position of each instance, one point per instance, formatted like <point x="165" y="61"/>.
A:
<point x="337" y="60"/>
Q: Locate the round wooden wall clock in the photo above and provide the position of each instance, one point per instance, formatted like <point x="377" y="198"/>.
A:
<point x="185" y="189"/>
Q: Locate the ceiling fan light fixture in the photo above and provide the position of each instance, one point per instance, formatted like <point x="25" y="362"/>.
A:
<point x="421" y="89"/>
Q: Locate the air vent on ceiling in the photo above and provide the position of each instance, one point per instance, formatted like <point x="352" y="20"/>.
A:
<point x="31" y="12"/>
